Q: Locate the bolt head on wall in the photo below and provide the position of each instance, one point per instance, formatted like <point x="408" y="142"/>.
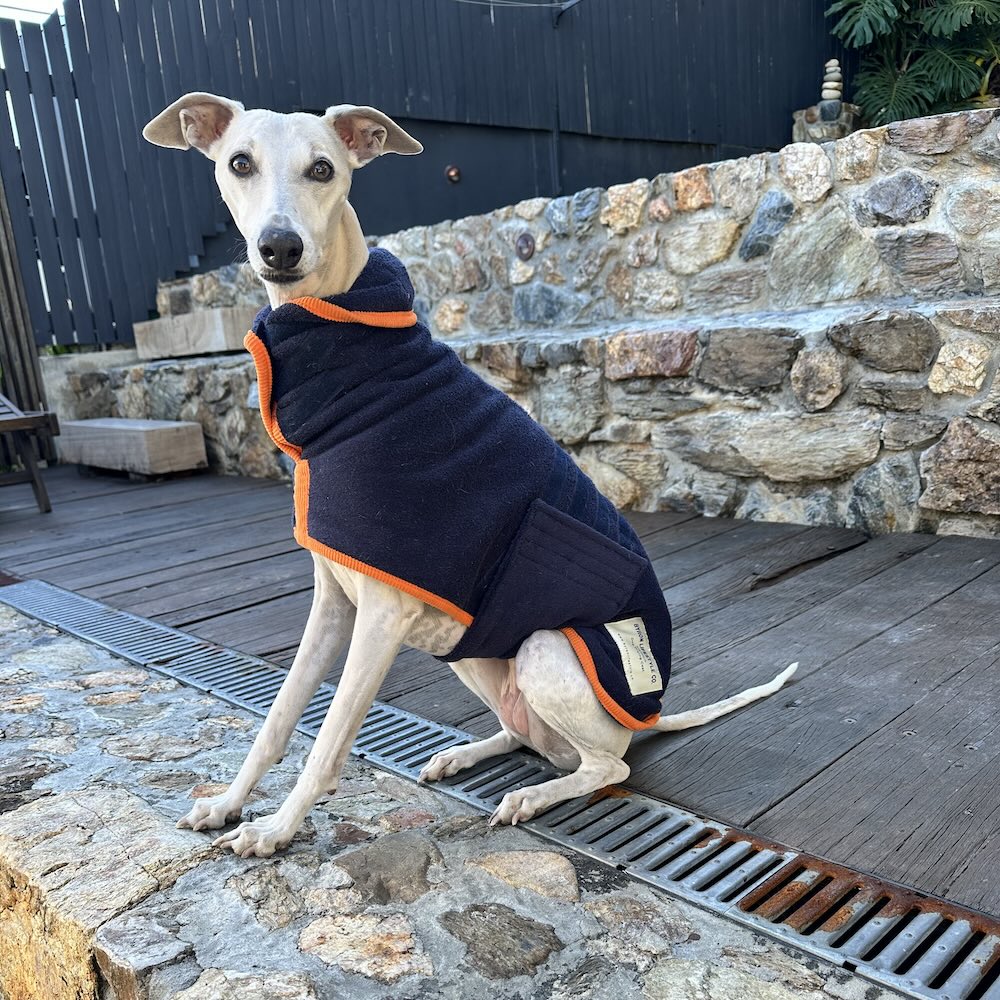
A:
<point x="525" y="246"/>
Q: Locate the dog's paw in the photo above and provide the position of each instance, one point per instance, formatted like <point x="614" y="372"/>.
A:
<point x="211" y="813"/>
<point x="447" y="762"/>
<point x="516" y="807"/>
<point x="261" y="838"/>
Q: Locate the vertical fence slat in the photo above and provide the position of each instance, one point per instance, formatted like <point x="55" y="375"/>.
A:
<point x="192" y="77"/>
<point x="311" y="71"/>
<point x="52" y="152"/>
<point x="107" y="65"/>
<point x="292" y="41"/>
<point x="339" y="40"/>
<point x="248" y="87"/>
<point x="188" y="17"/>
<point x="207" y="69"/>
<point x="107" y="174"/>
<point x="279" y="73"/>
<point x="454" y="100"/>
<point x="20" y="223"/>
<point x="219" y="65"/>
<point x="220" y="42"/>
<point x="143" y="71"/>
<point x="34" y="175"/>
<point x="365" y="58"/>
<point x="168" y="169"/>
<point x="266" y="76"/>
<point x="424" y="18"/>
<point x="137" y="112"/>
<point x="188" y="170"/>
<point x="149" y="213"/>
<point x="95" y="266"/>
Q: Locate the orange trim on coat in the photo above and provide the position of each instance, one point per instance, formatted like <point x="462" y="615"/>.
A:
<point x="265" y="382"/>
<point x="610" y="705"/>
<point x="300" y="494"/>
<point x="327" y="310"/>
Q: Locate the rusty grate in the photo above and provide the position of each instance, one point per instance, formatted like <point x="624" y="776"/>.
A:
<point x="923" y="947"/>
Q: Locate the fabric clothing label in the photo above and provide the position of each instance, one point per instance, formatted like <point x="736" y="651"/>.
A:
<point x="641" y="671"/>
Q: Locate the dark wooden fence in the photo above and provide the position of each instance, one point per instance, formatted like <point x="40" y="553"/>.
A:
<point x="527" y="100"/>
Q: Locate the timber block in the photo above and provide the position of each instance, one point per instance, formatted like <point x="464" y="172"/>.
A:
<point x="205" y="331"/>
<point x="148" y="447"/>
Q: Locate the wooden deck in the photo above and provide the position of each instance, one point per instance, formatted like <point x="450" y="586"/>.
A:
<point x="884" y="754"/>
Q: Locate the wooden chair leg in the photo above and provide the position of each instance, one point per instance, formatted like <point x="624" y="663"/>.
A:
<point x="22" y="442"/>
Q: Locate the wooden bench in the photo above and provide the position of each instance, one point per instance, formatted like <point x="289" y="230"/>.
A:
<point x="23" y="427"/>
<point x="139" y="447"/>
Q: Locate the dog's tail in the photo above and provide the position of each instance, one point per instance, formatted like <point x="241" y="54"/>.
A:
<point x="699" y="716"/>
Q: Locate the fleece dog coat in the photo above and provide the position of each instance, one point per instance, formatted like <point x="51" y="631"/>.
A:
<point x="411" y="469"/>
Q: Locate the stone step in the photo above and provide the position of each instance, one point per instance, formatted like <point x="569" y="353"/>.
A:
<point x="146" y="447"/>
<point x="206" y="331"/>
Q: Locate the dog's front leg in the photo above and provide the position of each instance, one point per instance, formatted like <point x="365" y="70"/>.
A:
<point x="327" y="630"/>
<point x="383" y="619"/>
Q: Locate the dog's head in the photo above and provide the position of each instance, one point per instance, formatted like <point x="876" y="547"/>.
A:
<point x="285" y="178"/>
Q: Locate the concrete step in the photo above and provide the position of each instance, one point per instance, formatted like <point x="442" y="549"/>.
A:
<point x="147" y="447"/>
<point x="206" y="331"/>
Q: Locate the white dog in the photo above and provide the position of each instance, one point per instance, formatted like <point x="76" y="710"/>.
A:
<point x="286" y="180"/>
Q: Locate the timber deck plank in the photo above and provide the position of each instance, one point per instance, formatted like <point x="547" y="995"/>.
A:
<point x="895" y="634"/>
<point x="741" y="575"/>
<point x="743" y="764"/>
<point x="915" y="798"/>
<point x="146" y="532"/>
<point x="760" y="610"/>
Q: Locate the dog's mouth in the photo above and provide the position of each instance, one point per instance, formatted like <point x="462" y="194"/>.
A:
<point x="280" y="277"/>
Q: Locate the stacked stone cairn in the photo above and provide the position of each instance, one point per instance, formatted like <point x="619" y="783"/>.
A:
<point x="833" y="82"/>
<point x="832" y="118"/>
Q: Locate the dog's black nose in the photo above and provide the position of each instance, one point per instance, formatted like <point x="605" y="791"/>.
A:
<point x="280" y="248"/>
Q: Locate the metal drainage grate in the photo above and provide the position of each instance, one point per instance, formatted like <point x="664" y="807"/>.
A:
<point x="922" y="946"/>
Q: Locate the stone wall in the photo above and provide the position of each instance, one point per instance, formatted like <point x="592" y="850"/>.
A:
<point x="809" y="335"/>
<point x="907" y="210"/>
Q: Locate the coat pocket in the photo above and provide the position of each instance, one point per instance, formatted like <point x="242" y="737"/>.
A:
<point x="557" y="572"/>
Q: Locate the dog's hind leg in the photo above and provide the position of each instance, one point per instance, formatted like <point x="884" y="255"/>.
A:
<point x="445" y="763"/>
<point x="486" y="679"/>
<point x="328" y="628"/>
<point x="566" y="724"/>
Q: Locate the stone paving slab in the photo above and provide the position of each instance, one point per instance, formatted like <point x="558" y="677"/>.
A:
<point x="390" y="890"/>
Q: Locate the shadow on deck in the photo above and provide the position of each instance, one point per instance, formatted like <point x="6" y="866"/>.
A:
<point x="882" y="754"/>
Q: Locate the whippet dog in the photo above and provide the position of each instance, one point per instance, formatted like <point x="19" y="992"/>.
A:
<point x="286" y="179"/>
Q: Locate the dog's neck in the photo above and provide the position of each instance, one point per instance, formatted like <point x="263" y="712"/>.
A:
<point x="349" y="254"/>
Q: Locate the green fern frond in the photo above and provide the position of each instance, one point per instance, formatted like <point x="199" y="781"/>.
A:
<point x="952" y="73"/>
<point x="864" y="20"/>
<point x="888" y="94"/>
<point x="946" y="17"/>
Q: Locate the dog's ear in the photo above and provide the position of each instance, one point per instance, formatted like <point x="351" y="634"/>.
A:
<point x="368" y="133"/>
<point x="195" y="121"/>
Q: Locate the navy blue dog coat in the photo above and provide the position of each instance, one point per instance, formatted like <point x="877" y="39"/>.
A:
<point x="411" y="469"/>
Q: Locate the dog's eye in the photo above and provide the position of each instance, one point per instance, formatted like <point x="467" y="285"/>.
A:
<point x="321" y="170"/>
<point x="241" y="164"/>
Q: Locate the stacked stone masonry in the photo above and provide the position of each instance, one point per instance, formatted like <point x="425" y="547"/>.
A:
<point x="809" y="335"/>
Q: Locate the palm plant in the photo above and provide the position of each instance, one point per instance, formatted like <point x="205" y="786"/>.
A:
<point x="921" y="57"/>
